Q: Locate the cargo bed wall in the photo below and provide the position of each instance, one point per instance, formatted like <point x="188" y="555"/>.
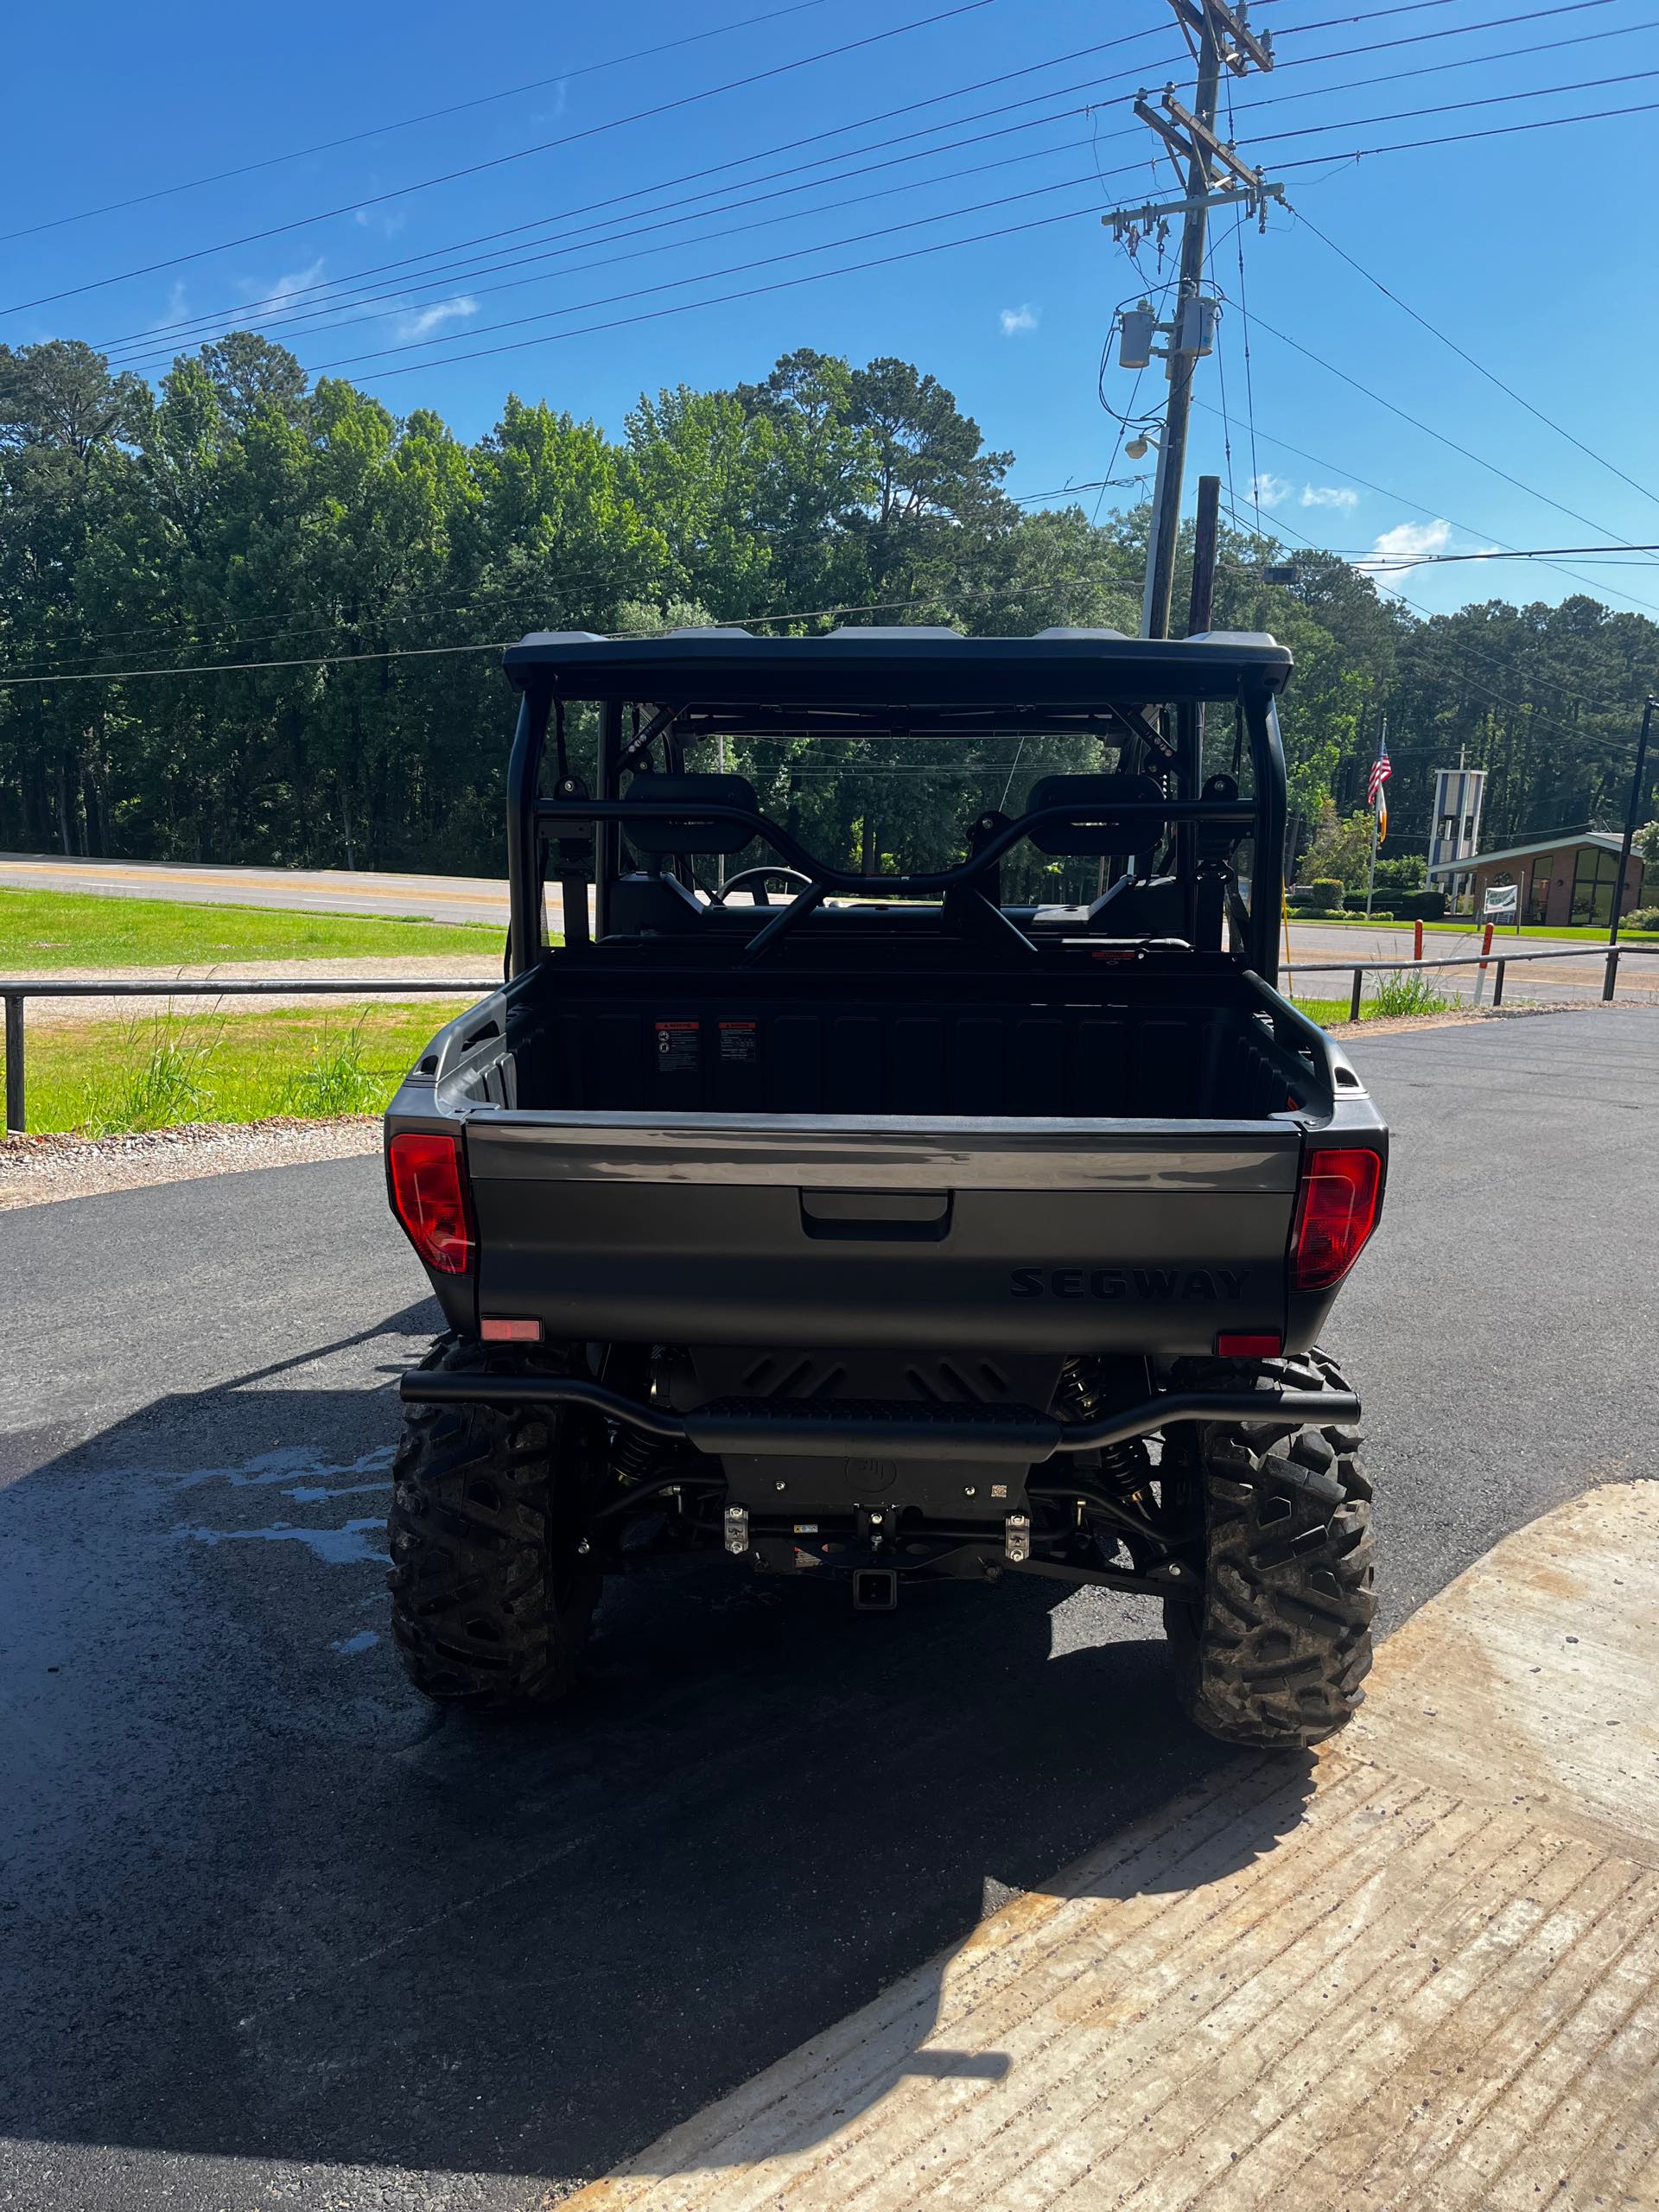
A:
<point x="733" y="1053"/>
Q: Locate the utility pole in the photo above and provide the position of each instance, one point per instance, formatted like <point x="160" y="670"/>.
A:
<point x="1637" y="798"/>
<point x="1219" y="38"/>
<point x="1206" y="533"/>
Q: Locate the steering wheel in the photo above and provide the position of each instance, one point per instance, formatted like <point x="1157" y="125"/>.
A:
<point x="757" y="879"/>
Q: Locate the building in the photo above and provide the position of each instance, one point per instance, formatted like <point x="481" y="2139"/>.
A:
<point x="1567" y="878"/>
<point x="1459" y="793"/>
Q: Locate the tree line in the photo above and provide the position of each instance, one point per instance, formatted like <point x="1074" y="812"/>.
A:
<point x="239" y="514"/>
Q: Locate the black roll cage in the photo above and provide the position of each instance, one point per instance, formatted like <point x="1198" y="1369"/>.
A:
<point x="683" y="696"/>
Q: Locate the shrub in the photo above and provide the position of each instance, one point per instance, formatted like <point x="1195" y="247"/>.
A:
<point x="1641" y="918"/>
<point x="1409" y="873"/>
<point x="1326" y="896"/>
<point x="1421" y="906"/>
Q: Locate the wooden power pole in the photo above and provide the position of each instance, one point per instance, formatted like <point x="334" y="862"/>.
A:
<point x="1213" y="175"/>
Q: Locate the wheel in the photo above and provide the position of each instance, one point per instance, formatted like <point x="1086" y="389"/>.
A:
<point x="1276" y="1650"/>
<point x="491" y="1600"/>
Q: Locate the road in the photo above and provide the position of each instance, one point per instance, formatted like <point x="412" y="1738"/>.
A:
<point x="322" y="890"/>
<point x="272" y="1932"/>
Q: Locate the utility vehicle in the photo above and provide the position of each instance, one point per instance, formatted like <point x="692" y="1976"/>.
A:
<point x="897" y="1227"/>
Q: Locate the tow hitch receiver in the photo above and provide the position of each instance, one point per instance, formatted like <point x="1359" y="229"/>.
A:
<point x="875" y="1589"/>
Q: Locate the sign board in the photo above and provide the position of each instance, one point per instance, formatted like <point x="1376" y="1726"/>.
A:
<point x="1501" y="902"/>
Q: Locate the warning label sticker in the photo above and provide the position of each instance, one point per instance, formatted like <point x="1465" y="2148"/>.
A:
<point x="737" y="1041"/>
<point x="679" y="1046"/>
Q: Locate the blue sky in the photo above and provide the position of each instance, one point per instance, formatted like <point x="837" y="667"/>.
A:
<point x="1535" y="250"/>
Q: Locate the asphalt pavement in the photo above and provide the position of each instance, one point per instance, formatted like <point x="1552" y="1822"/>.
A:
<point x="273" y="1933"/>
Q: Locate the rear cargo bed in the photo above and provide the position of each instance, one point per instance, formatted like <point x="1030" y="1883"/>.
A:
<point x="982" y="1048"/>
<point x="991" y="1160"/>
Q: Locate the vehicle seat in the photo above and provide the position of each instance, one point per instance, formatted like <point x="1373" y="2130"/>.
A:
<point x="1140" y="905"/>
<point x="1097" y="832"/>
<point x="656" y="840"/>
<point x="650" y="903"/>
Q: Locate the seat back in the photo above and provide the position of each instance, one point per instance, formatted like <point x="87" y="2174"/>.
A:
<point x="1097" y="830"/>
<point x="657" y="839"/>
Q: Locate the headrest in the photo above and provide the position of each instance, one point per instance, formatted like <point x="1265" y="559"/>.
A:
<point x="1097" y="830"/>
<point x="691" y="835"/>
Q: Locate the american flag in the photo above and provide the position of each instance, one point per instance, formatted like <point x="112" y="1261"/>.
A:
<point x="1375" y="794"/>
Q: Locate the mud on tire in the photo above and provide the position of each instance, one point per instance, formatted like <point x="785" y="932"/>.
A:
<point x="491" y="1600"/>
<point x="1274" y="1652"/>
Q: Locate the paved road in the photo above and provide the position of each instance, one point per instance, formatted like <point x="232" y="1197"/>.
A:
<point x="332" y="891"/>
<point x="271" y="1933"/>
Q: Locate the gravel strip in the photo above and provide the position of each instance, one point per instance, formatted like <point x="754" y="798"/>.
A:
<point x="35" y="1170"/>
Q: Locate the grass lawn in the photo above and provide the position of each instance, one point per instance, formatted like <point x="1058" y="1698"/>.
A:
<point x="45" y="930"/>
<point x="1466" y="925"/>
<point x="154" y="1070"/>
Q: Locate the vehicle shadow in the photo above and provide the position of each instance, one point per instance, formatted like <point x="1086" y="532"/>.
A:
<point x="260" y="1903"/>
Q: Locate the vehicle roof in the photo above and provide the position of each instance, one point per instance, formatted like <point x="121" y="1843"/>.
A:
<point x="914" y="664"/>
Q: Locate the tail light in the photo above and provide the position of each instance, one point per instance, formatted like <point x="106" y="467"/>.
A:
<point x="430" y="1196"/>
<point x="1336" y="1208"/>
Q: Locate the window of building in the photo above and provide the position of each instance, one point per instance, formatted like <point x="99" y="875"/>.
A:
<point x="1592" y="885"/>
<point x="1538" y="902"/>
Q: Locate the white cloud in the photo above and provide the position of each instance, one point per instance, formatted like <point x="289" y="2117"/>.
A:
<point x="424" y="321"/>
<point x="387" y="221"/>
<point x="175" y="310"/>
<point x="1330" y="495"/>
<point x="298" y="280"/>
<point x="1268" y="490"/>
<point x="1408" y="542"/>
<point x="1014" y="320"/>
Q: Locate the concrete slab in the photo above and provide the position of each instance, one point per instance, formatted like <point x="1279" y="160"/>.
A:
<point x="1420" y="1969"/>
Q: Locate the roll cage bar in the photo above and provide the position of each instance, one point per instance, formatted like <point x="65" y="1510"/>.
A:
<point x="690" y="686"/>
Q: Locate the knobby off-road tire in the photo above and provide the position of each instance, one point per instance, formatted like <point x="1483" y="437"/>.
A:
<point x="491" y="1601"/>
<point x="1275" y="1653"/>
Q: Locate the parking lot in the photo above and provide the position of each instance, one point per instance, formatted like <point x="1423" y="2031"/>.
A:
<point x="273" y="1933"/>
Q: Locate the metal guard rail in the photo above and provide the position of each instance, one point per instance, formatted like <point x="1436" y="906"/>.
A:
<point x="1360" y="968"/>
<point x="15" y="991"/>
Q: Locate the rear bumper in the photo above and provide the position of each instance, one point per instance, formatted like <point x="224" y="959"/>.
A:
<point x="832" y="1428"/>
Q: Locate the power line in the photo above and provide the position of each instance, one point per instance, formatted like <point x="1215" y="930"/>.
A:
<point x="380" y="376"/>
<point x="1384" y="492"/>
<point x="523" y="153"/>
<point x="1371" y="561"/>
<point x="724" y="299"/>
<point x="1430" y="614"/>
<point x="690" y="176"/>
<point x="410" y="122"/>
<point x="427" y="652"/>
<point x="1440" y="437"/>
<point x="1434" y="329"/>
<point x="334" y="293"/>
<point x="1465" y="138"/>
<point x="382" y="313"/>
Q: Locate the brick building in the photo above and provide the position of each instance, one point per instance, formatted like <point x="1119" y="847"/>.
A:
<point x="1566" y="878"/>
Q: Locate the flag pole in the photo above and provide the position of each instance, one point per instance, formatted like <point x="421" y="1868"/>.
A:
<point x="1370" y="881"/>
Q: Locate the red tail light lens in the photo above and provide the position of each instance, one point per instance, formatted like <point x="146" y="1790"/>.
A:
<point x="1341" y="1197"/>
<point x="429" y="1196"/>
